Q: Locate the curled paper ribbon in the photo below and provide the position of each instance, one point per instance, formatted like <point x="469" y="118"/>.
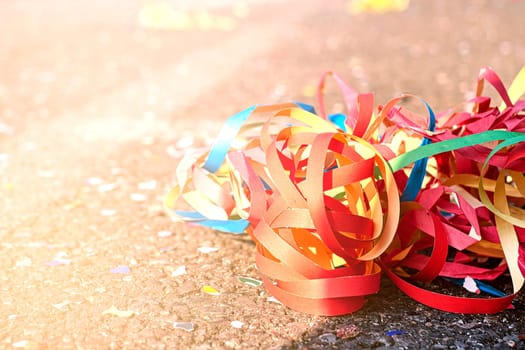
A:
<point x="332" y="200"/>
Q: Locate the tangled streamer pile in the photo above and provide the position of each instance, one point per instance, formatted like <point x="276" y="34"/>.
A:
<point x="332" y="201"/>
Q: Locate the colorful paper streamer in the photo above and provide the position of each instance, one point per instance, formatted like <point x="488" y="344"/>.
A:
<point x="332" y="201"/>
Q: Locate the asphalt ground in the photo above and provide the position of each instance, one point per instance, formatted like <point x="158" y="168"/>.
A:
<point x="95" y="112"/>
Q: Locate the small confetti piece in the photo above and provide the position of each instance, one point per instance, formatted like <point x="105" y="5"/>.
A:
<point x="207" y="250"/>
<point x="114" y="311"/>
<point x="120" y="270"/>
<point x="237" y="324"/>
<point x="273" y="299"/>
<point x="147" y="185"/>
<point x="108" y="212"/>
<point x="138" y="197"/>
<point x="179" y="271"/>
<point x="210" y="290"/>
<point x="164" y="233"/>
<point x="186" y="326"/>
<point x="107" y="187"/>
<point x="62" y="306"/>
<point x="395" y="332"/>
<point x="252" y="282"/>
<point x="470" y="285"/>
<point x="58" y="262"/>
<point x="127" y="278"/>
<point x="20" y="344"/>
<point x="94" y="181"/>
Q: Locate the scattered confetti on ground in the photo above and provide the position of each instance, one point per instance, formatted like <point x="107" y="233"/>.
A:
<point x="114" y="311"/>
<point x="147" y="185"/>
<point x="186" y="326"/>
<point x="108" y="212"/>
<point x="237" y="324"/>
<point x="252" y="282"/>
<point x="164" y="233"/>
<point x="210" y="290"/>
<point x="179" y="271"/>
<point x="121" y="270"/>
<point x="207" y="250"/>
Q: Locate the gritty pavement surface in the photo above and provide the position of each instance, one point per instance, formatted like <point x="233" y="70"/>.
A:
<point x="96" y="110"/>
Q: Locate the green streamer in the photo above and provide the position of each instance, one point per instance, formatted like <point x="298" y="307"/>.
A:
<point x="432" y="149"/>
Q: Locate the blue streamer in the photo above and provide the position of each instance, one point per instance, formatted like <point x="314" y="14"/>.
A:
<point x="230" y="226"/>
<point x="339" y="120"/>
<point x="223" y="142"/>
<point x="305" y="106"/>
<point x="415" y="180"/>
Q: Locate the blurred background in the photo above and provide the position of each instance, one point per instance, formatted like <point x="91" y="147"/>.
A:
<point x="100" y="99"/>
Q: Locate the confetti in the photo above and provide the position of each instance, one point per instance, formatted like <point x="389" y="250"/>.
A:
<point x="121" y="270"/>
<point x="186" y="326"/>
<point x="179" y="271"/>
<point x="147" y="185"/>
<point x="237" y="324"/>
<point x="59" y="261"/>
<point x="470" y="285"/>
<point x="63" y="306"/>
<point x="108" y="212"/>
<point x="94" y="181"/>
<point x="138" y="197"/>
<point x="20" y="344"/>
<point x="207" y="250"/>
<point x="252" y="282"/>
<point x="273" y="299"/>
<point x="107" y="187"/>
<point x="164" y="233"/>
<point x="114" y="311"/>
<point x="210" y="290"/>
<point x="395" y="332"/>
